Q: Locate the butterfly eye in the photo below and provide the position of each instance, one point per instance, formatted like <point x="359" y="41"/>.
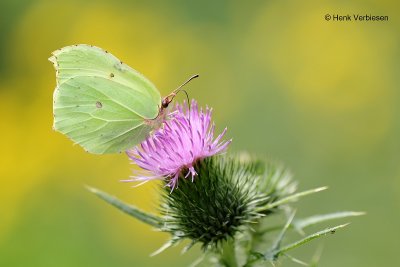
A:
<point x="165" y="102"/>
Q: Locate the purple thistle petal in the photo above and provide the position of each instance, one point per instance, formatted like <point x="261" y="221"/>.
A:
<point x="176" y="147"/>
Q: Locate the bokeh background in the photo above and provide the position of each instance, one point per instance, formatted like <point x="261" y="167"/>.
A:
<point x="322" y="97"/>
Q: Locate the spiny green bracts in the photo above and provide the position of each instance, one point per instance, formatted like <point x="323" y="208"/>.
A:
<point x="227" y="195"/>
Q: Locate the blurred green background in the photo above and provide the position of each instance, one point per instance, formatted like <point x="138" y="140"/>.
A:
<point x="323" y="97"/>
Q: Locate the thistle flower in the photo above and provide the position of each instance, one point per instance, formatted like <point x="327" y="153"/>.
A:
<point x="227" y="205"/>
<point x="173" y="150"/>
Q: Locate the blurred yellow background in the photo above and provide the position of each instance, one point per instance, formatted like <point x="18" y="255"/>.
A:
<point x="321" y="96"/>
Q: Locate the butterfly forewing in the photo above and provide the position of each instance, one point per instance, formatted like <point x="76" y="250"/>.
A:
<point x="101" y="103"/>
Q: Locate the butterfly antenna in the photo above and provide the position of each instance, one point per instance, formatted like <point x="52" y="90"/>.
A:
<point x="182" y="85"/>
<point x="168" y="99"/>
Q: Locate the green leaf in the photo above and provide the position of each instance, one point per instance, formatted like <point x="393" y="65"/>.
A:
<point x="133" y="211"/>
<point x="307" y="239"/>
<point x="316" y="257"/>
<point x="271" y="254"/>
<point x="198" y="260"/>
<point x="300" y="224"/>
<point x="305" y="222"/>
<point x="170" y="243"/>
<point x="291" y="198"/>
<point x="295" y="260"/>
<point x="281" y="235"/>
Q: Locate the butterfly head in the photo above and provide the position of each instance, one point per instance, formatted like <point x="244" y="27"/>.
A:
<point x="168" y="99"/>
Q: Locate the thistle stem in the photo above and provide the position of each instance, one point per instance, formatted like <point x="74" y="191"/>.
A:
<point x="228" y="254"/>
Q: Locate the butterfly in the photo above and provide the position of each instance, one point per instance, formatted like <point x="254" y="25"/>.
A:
<point x="101" y="103"/>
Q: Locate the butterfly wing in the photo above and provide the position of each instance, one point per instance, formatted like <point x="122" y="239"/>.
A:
<point x="101" y="103"/>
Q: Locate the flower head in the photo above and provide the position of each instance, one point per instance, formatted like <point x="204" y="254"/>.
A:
<point x="174" y="149"/>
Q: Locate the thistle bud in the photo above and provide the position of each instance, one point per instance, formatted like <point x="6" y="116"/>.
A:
<point x="226" y="197"/>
